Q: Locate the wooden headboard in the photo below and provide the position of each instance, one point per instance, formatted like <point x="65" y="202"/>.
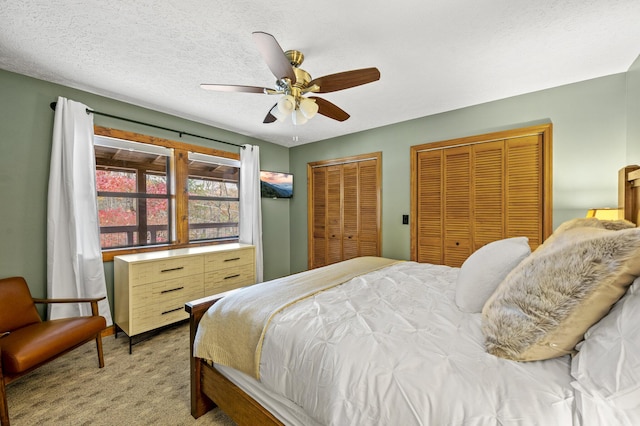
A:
<point x="629" y="193"/>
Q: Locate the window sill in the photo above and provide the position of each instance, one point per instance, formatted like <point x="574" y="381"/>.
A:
<point x="108" y="255"/>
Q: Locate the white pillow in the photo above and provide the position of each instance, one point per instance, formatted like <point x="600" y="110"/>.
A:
<point x="481" y="273"/>
<point x="608" y="361"/>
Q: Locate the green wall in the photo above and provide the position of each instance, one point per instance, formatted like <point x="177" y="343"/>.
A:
<point x="633" y="113"/>
<point x="589" y="146"/>
<point x="26" y="124"/>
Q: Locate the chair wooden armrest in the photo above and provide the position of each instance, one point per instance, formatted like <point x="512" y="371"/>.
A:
<point x="93" y="300"/>
<point x="89" y="299"/>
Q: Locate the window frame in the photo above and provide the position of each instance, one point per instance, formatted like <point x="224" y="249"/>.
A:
<point x="180" y="197"/>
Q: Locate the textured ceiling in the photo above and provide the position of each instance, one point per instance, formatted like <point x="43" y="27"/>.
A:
<point x="433" y="56"/>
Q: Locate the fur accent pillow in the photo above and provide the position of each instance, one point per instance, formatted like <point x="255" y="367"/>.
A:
<point x="591" y="222"/>
<point x="616" y="225"/>
<point x="545" y="305"/>
<point x="485" y="269"/>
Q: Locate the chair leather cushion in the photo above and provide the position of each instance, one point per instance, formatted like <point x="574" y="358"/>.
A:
<point x="34" y="344"/>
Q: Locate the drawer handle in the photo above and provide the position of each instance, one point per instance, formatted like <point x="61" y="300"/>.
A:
<point x="170" y="290"/>
<point x="232" y="259"/>
<point x="172" y="269"/>
<point x="172" y="310"/>
<point x="232" y="276"/>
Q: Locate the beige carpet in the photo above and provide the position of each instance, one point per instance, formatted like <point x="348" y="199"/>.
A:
<point x="149" y="387"/>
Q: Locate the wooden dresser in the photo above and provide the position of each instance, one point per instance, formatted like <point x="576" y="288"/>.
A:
<point x="150" y="289"/>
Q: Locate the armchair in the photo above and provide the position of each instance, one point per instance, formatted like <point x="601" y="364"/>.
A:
<point x="27" y="342"/>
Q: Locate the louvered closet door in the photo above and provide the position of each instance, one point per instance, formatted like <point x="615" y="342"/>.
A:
<point x="319" y="220"/>
<point x="479" y="189"/>
<point x="524" y="206"/>
<point x="350" y="211"/>
<point x="457" y="205"/>
<point x="368" y="208"/>
<point x="429" y="207"/>
<point x="334" y="214"/>
<point x="344" y="209"/>
<point x="487" y="193"/>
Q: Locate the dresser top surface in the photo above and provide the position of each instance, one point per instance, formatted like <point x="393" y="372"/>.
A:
<point x="188" y="251"/>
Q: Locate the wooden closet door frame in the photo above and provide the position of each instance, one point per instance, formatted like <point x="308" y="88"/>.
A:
<point x="338" y="161"/>
<point x="543" y="130"/>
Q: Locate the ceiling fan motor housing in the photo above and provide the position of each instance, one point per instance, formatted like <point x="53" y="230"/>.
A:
<point x="295" y="57"/>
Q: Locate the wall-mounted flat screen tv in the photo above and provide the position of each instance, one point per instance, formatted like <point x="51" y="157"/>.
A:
<point x="276" y="184"/>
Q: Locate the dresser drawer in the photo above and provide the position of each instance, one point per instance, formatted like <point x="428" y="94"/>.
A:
<point x="147" y="321"/>
<point x="166" y="269"/>
<point x="163" y="302"/>
<point x="227" y="259"/>
<point x="176" y="289"/>
<point x="228" y="279"/>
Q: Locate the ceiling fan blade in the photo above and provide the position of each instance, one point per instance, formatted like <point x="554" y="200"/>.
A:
<point x="274" y="56"/>
<point x="270" y="118"/>
<point x="234" y="88"/>
<point x="329" y="109"/>
<point x="345" y="80"/>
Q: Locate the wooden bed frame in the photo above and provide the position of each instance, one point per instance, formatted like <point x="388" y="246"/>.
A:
<point x="209" y="385"/>
<point x="629" y="193"/>
<point x="209" y="388"/>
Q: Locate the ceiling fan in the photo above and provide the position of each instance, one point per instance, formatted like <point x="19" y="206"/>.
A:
<point x="294" y="82"/>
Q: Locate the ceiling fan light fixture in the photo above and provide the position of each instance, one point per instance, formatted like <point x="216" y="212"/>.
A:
<point x="279" y="115"/>
<point x="309" y="107"/>
<point x="298" y="118"/>
<point x="287" y="104"/>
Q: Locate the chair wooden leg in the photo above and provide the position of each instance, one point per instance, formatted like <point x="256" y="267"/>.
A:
<point x="4" y="407"/>
<point x="99" y="347"/>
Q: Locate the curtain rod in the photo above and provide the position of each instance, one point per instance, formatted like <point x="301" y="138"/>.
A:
<point x="179" y="132"/>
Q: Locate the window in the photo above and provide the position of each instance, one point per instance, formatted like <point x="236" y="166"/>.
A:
<point x="133" y="193"/>
<point x="213" y="197"/>
<point x="154" y="193"/>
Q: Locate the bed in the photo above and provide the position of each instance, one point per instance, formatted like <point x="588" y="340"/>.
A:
<point x="379" y="341"/>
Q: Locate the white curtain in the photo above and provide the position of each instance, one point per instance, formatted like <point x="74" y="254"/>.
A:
<point x="74" y="258"/>
<point x="250" y="203"/>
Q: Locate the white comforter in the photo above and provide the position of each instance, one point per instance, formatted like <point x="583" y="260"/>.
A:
<point x="392" y="348"/>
